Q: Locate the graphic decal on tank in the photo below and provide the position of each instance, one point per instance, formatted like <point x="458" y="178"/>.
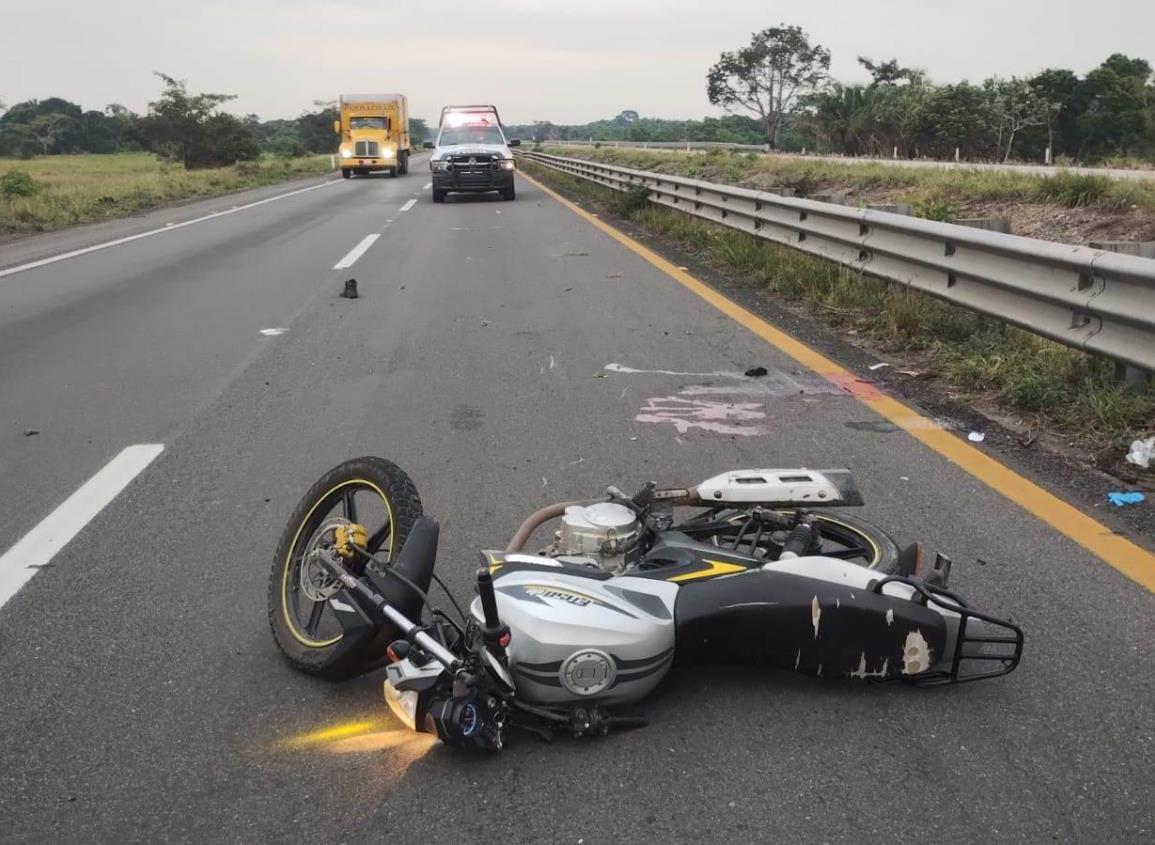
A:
<point x="544" y="593"/>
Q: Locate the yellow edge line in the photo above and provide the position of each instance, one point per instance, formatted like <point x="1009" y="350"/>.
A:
<point x="1133" y="561"/>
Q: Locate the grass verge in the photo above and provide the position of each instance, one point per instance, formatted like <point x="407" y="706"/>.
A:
<point x="1062" y="389"/>
<point x="52" y="192"/>
<point x="925" y="188"/>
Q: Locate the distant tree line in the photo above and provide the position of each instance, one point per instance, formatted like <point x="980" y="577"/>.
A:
<point x="630" y="126"/>
<point x="782" y="79"/>
<point x="179" y="125"/>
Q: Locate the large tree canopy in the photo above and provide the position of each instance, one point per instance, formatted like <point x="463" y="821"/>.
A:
<point x="768" y="76"/>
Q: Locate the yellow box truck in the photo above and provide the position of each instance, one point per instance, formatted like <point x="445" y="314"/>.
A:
<point x="374" y="130"/>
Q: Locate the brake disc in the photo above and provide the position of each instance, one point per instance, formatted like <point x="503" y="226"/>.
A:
<point x="316" y="582"/>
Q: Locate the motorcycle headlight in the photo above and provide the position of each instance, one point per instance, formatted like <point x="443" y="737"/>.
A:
<point x="346" y="153"/>
<point x="507" y="164"/>
<point x="403" y="705"/>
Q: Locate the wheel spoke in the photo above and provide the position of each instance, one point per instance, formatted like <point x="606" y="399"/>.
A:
<point x="847" y="554"/>
<point x="378" y="537"/>
<point x="350" y="504"/>
<point x="314" y="618"/>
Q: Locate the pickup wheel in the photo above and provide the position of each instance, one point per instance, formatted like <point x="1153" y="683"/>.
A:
<point x="509" y="193"/>
<point x="439" y="195"/>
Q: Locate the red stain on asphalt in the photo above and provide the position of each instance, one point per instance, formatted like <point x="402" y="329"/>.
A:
<point x="859" y="388"/>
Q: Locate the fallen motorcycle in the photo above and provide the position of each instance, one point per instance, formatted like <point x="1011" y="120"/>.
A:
<point x="749" y="566"/>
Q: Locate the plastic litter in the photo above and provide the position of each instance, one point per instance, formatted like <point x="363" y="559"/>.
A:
<point x="1142" y="453"/>
<point x="878" y="366"/>
<point x="31" y="432"/>
<point x="1121" y="499"/>
<point x="757" y="372"/>
<point x="976" y="437"/>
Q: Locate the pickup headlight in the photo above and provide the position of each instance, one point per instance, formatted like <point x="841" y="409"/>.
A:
<point x="439" y="166"/>
<point x="507" y="164"/>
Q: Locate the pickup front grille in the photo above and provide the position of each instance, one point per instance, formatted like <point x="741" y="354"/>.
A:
<point x="473" y="169"/>
<point x="366" y="149"/>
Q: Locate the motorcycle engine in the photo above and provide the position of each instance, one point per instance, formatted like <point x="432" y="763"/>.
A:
<point x="603" y="534"/>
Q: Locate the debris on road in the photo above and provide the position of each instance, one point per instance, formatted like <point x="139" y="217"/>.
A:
<point x="350" y="291"/>
<point x="273" y="332"/>
<point x="614" y="276"/>
<point x="912" y="373"/>
<point x="878" y="366"/>
<point x="31" y="432"/>
<point x="976" y="437"/>
<point x="757" y="372"/>
<point x="1121" y="499"/>
<point x="1142" y="453"/>
<point x="485" y="322"/>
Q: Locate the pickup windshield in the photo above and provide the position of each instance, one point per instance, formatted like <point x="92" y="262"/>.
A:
<point x="455" y="136"/>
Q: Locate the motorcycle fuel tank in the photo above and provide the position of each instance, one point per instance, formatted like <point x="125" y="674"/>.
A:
<point x="578" y="639"/>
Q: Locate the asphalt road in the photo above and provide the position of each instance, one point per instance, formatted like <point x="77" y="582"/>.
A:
<point x="142" y="696"/>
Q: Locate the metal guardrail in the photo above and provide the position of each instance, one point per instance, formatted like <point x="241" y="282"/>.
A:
<point x="1100" y="302"/>
<point x="666" y="145"/>
<point x="923" y="163"/>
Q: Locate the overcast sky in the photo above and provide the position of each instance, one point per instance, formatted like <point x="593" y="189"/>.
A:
<point x="569" y="62"/>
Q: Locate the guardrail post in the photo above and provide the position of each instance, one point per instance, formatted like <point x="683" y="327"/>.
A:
<point x="1131" y="378"/>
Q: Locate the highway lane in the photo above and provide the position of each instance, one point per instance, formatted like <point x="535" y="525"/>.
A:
<point x="133" y="338"/>
<point x="151" y="703"/>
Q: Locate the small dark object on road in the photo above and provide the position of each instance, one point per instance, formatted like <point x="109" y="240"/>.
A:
<point x="31" y="432"/>
<point x="757" y="372"/>
<point x="350" y="291"/>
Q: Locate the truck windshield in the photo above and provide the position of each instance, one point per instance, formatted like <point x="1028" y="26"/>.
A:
<point x="454" y="136"/>
<point x="367" y="123"/>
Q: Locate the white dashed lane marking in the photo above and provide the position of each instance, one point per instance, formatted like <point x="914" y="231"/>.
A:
<point x="356" y="252"/>
<point x="36" y="548"/>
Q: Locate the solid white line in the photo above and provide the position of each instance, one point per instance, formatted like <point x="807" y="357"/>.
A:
<point x="168" y="227"/>
<point x="356" y="252"/>
<point x="40" y="545"/>
<point x="427" y="186"/>
<point x="408" y="205"/>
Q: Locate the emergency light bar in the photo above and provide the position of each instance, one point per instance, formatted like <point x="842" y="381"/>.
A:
<point x="475" y="115"/>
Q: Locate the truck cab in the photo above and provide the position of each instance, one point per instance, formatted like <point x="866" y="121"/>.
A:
<point x="374" y="130"/>
<point x="471" y="154"/>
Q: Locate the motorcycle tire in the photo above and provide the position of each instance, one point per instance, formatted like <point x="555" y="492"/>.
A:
<point x="840" y="535"/>
<point x="310" y="644"/>
<point x="883" y="549"/>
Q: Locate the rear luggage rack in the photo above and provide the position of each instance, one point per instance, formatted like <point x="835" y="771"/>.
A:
<point x="994" y="643"/>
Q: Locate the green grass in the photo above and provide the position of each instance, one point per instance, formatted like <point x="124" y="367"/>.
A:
<point x="66" y="190"/>
<point x="1063" y="388"/>
<point x="924" y="187"/>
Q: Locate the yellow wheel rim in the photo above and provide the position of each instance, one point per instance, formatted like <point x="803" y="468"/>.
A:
<point x="303" y="639"/>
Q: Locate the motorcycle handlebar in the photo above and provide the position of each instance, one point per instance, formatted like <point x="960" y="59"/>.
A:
<point x="488" y="599"/>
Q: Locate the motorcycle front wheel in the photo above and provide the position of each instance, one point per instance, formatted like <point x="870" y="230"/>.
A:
<point x="372" y="492"/>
